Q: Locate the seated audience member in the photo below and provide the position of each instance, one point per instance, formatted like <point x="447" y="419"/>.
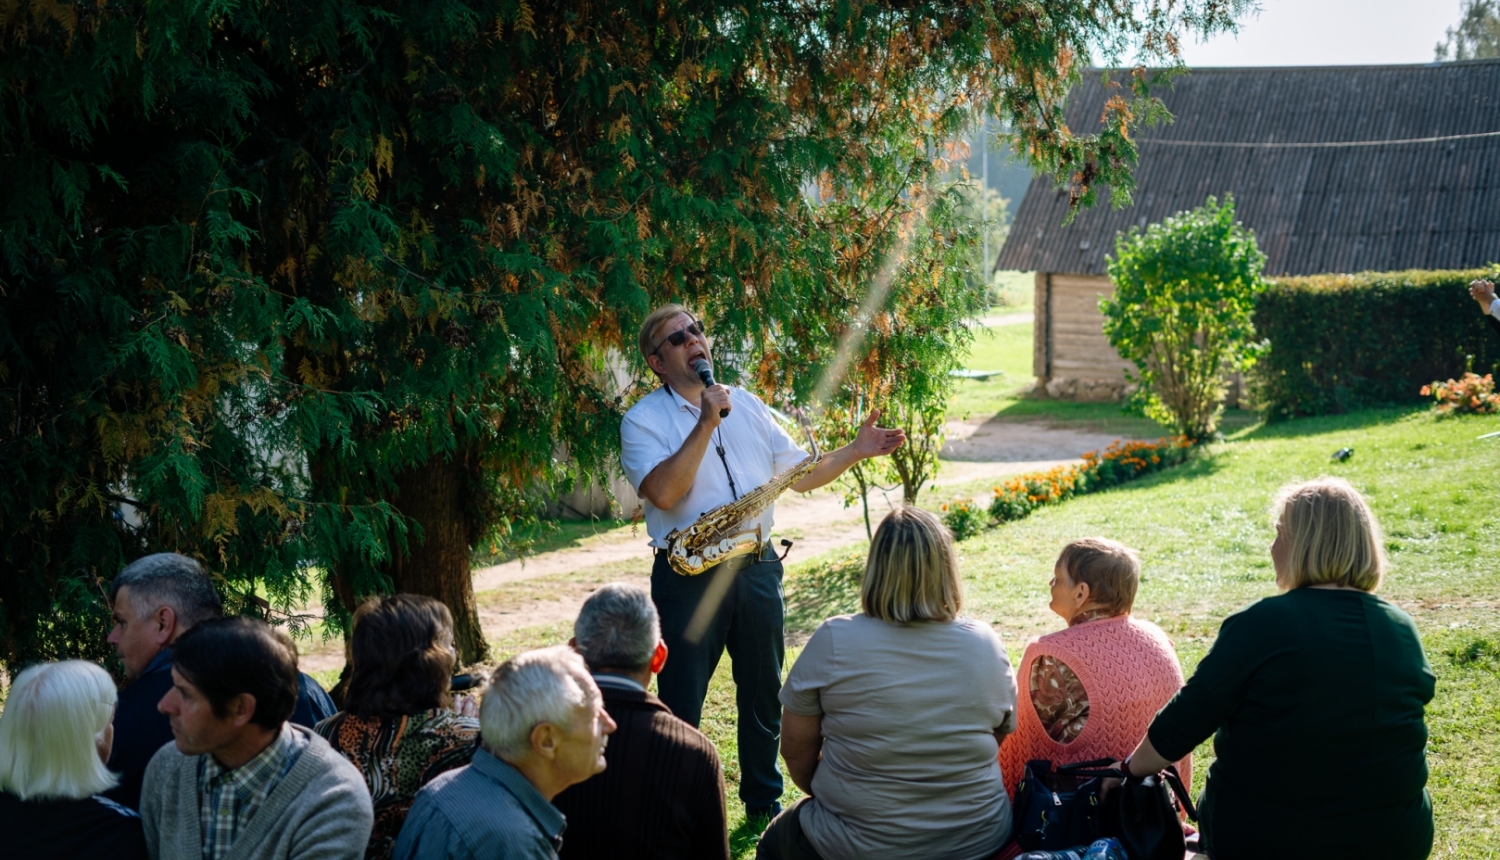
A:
<point x="1091" y="690"/>
<point x="54" y="739"/>
<point x="1484" y="293"/>
<point x="893" y="717"/>
<point x="155" y="599"/>
<point x="662" y="795"/>
<point x="397" y="727"/>
<point x="240" y="780"/>
<point x="542" y="729"/>
<point x="1315" y="701"/>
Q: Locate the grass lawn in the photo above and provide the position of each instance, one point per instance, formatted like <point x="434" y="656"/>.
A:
<point x="1203" y="533"/>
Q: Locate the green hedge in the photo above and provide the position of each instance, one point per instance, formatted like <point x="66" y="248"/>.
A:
<point x="1343" y="342"/>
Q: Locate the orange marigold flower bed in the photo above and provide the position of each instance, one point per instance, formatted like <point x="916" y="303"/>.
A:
<point x="1017" y="497"/>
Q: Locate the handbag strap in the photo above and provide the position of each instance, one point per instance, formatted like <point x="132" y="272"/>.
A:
<point x="1174" y="779"/>
<point x="1100" y="767"/>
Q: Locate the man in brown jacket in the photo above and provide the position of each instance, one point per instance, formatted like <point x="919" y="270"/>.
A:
<point x="662" y="794"/>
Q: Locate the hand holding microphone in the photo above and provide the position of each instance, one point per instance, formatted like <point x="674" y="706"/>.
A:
<point x="705" y="372"/>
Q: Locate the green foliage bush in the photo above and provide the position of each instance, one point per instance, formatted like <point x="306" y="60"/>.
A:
<point x="1345" y="342"/>
<point x="1184" y="292"/>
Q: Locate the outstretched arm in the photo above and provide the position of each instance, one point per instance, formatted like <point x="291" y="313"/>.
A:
<point x="870" y="441"/>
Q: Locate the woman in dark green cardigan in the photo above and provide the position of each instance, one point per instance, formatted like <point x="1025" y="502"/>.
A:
<point x="1315" y="700"/>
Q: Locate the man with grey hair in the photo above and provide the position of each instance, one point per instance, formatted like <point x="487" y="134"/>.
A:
<point x="154" y="600"/>
<point x="662" y="795"/>
<point x="542" y="728"/>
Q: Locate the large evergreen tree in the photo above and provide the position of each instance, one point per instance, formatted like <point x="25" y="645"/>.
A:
<point x="318" y="292"/>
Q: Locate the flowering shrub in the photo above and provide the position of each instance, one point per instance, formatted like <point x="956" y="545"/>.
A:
<point x="964" y="519"/>
<point x="1471" y="395"/>
<point x="1120" y="462"/>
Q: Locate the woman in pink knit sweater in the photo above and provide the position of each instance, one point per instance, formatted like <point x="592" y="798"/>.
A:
<point x="1090" y="691"/>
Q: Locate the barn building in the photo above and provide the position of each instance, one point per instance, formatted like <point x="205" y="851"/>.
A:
<point x="1336" y="169"/>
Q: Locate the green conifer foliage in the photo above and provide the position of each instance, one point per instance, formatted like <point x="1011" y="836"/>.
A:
<point x="318" y="291"/>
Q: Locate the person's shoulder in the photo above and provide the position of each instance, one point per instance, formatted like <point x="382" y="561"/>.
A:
<point x="108" y="810"/>
<point x="653" y="401"/>
<point x="330" y="769"/>
<point x="681" y="733"/>
<point x="1390" y="611"/>
<point x="448" y="722"/>
<point x="965" y="627"/>
<point x="167" y="759"/>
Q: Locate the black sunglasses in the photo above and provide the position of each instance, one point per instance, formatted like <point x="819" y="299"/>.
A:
<point x="679" y="337"/>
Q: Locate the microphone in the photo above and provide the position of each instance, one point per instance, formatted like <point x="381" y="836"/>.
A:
<point x="705" y="372"/>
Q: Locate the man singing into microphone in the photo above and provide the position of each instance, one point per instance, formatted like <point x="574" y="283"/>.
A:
<point x="687" y="448"/>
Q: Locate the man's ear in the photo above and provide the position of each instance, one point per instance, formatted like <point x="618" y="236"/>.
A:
<point x="655" y="363"/>
<point x="544" y="740"/>
<point x="167" y="629"/>
<point x="573" y="642"/>
<point x="658" y="657"/>
<point x="241" y="709"/>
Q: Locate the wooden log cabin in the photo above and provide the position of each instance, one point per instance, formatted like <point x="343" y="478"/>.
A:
<point x="1336" y="169"/>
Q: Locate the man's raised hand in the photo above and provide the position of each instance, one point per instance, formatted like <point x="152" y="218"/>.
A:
<point x="1483" y="292"/>
<point x="872" y="441"/>
<point x="715" y="399"/>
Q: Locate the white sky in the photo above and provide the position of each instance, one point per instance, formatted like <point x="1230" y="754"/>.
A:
<point x="1331" y="33"/>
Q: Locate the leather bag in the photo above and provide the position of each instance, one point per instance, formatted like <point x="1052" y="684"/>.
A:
<point x="1142" y="814"/>
<point x="1058" y="808"/>
<point x="1065" y="807"/>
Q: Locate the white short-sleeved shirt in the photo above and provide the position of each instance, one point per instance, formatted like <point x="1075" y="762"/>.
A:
<point x="909" y="766"/>
<point x="756" y="447"/>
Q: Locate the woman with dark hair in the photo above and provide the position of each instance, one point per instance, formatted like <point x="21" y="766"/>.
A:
<point x="397" y="725"/>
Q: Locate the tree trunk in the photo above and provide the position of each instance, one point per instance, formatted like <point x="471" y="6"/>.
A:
<point x="435" y="496"/>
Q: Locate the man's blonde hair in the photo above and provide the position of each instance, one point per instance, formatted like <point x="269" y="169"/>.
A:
<point x="1111" y="569"/>
<point x="654" y="320"/>
<point x="1332" y="536"/>
<point x="912" y="572"/>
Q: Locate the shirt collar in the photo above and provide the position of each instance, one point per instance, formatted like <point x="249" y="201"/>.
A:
<point x="619" y="682"/>
<point x="267" y="764"/>
<point x="543" y="813"/>
<point x="681" y="401"/>
<point x="162" y="660"/>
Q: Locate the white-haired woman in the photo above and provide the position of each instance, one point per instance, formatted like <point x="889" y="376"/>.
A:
<point x="1315" y="700"/>
<point x="55" y="736"/>
<point x="892" y="718"/>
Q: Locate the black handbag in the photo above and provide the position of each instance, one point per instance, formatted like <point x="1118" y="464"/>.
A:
<point x="1059" y="808"/>
<point x="1062" y="808"/>
<point x="1142" y="814"/>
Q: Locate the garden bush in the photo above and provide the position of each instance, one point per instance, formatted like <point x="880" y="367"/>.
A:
<point x="1345" y="342"/>
<point x="1185" y="289"/>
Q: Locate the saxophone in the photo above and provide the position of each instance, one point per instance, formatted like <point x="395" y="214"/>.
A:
<point x="719" y="535"/>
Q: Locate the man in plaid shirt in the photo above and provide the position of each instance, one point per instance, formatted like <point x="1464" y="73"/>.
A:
<point x="239" y="780"/>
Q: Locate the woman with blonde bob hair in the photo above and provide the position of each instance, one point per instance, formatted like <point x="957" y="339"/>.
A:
<point x="1315" y="699"/>
<point x="55" y="736"/>
<point x="892" y="717"/>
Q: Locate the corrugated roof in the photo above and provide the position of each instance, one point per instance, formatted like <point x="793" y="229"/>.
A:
<point x="1280" y="140"/>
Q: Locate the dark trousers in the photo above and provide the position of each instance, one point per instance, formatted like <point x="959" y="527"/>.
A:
<point x="748" y="621"/>
<point x="784" y="838"/>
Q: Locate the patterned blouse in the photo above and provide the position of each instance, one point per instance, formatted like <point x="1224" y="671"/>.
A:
<point x="397" y="756"/>
<point x="1061" y="702"/>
